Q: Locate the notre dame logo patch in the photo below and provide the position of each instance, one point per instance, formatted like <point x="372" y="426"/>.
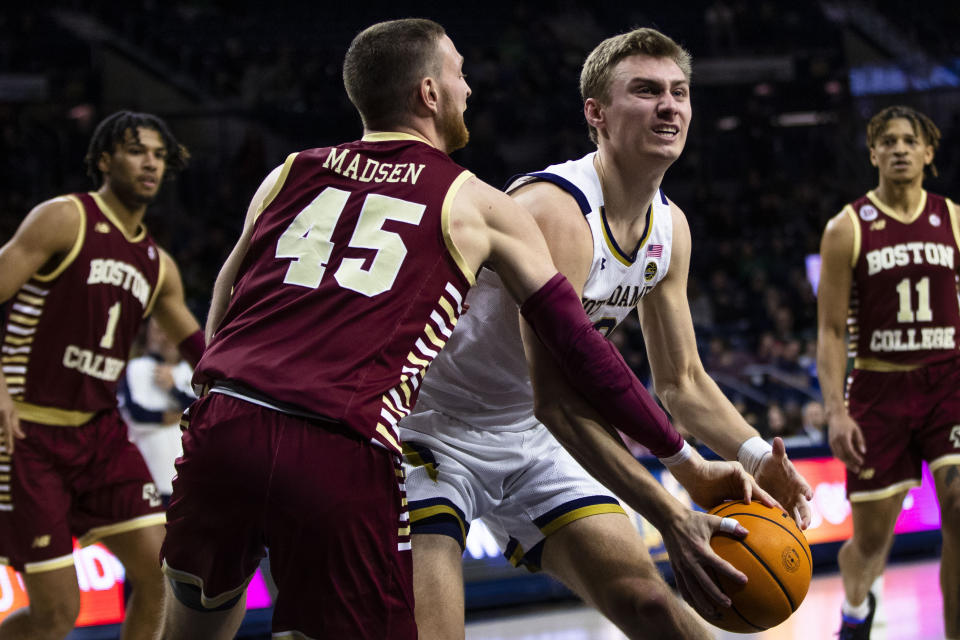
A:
<point x="650" y="271"/>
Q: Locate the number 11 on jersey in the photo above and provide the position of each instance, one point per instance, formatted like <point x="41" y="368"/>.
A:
<point x="906" y="312"/>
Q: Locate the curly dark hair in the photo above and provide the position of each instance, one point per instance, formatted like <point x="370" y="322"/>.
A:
<point x="112" y="131"/>
<point x="922" y="126"/>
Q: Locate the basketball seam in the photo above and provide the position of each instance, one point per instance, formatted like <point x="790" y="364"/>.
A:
<point x="757" y="515"/>
<point x="733" y="606"/>
<point x="773" y="575"/>
<point x="744" y="618"/>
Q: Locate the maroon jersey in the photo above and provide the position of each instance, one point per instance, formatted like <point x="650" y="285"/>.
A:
<point x="904" y="303"/>
<point x="350" y="286"/>
<point x="67" y="333"/>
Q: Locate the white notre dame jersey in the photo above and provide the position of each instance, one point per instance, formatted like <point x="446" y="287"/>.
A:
<point x="481" y="375"/>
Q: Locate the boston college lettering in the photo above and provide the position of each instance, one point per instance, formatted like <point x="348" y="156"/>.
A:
<point x="92" y="364"/>
<point x="900" y="255"/>
<point x="886" y="340"/>
<point x="119" y="274"/>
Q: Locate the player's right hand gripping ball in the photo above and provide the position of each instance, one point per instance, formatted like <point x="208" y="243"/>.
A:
<point x="775" y="557"/>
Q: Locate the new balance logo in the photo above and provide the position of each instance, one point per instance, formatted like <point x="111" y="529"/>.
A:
<point x="101" y="227"/>
<point x="867" y="474"/>
<point x="41" y="542"/>
<point x="878" y="225"/>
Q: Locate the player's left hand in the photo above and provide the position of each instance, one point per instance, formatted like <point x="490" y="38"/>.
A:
<point x="710" y="482"/>
<point x="696" y="566"/>
<point x="777" y="475"/>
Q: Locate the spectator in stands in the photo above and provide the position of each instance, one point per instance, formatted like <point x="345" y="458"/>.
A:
<point x="153" y="393"/>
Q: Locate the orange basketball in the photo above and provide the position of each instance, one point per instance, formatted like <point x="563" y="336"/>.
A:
<point x="775" y="557"/>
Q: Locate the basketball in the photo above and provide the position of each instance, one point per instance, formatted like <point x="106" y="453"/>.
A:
<point x="775" y="557"/>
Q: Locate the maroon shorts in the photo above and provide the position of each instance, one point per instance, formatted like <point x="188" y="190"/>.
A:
<point x="87" y="482"/>
<point x="906" y="417"/>
<point x="329" y="506"/>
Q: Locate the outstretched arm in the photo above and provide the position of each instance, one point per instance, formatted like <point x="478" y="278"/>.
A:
<point x="693" y="398"/>
<point x="487" y="225"/>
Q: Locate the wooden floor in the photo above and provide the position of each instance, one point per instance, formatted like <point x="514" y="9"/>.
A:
<point x="910" y="609"/>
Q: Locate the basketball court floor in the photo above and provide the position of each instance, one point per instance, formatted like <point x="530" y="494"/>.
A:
<point x="910" y="609"/>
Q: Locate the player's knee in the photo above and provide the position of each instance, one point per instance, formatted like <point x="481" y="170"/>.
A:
<point x="871" y="541"/>
<point x="639" y="601"/>
<point x="57" y="619"/>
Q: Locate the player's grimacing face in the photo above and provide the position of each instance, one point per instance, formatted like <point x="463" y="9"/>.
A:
<point x="454" y="92"/>
<point x="900" y="153"/>
<point x="135" y="168"/>
<point x="649" y="105"/>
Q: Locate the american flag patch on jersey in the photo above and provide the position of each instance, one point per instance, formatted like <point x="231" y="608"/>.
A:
<point x="655" y="251"/>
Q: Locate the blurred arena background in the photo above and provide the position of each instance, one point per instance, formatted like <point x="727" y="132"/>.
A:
<point x="781" y="94"/>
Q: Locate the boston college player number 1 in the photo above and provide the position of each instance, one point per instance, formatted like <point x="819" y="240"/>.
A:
<point x="113" y="315"/>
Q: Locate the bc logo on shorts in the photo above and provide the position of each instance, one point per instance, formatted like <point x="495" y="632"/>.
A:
<point x="151" y="495"/>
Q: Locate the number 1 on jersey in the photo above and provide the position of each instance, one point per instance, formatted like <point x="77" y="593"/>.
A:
<point x="113" y="316"/>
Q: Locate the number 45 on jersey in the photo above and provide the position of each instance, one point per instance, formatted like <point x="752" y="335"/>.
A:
<point x="307" y="242"/>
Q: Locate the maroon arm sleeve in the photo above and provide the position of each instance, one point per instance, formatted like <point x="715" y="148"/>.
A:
<point x="595" y="367"/>
<point x="191" y="347"/>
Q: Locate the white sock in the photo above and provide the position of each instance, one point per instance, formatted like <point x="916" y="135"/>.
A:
<point x="858" y="612"/>
<point x="880" y="617"/>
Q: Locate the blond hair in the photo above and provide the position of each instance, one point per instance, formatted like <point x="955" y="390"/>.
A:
<point x="597" y="73"/>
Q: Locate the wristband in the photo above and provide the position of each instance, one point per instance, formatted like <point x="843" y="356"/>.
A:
<point x="685" y="453"/>
<point x="191" y="347"/>
<point x="752" y="452"/>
